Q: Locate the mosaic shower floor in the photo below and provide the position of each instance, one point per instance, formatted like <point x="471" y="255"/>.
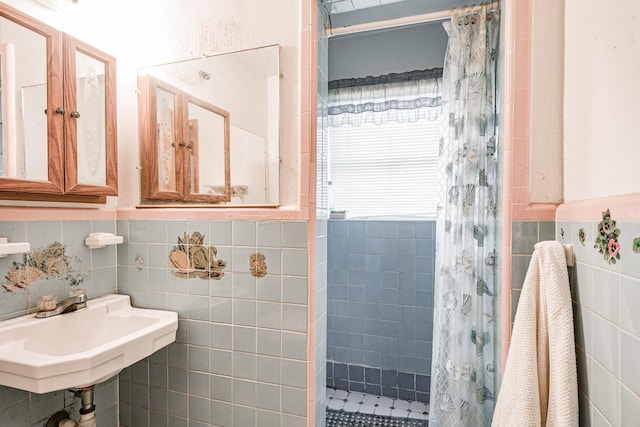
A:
<point x="366" y="410"/>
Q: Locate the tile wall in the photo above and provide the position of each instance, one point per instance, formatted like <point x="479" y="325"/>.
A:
<point x="71" y="266"/>
<point x="524" y="235"/>
<point x="380" y="306"/>
<point x="241" y="353"/>
<point x="321" y="218"/>
<point x="607" y="325"/>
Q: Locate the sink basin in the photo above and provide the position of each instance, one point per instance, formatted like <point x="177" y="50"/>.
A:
<point x="81" y="348"/>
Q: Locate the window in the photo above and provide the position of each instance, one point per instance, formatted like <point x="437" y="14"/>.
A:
<point x="387" y="169"/>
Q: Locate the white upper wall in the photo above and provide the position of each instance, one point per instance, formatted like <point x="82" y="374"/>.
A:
<point x="602" y="89"/>
<point x="142" y="33"/>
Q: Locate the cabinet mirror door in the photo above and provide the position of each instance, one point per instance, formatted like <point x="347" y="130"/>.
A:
<point x="184" y="151"/>
<point x="207" y="152"/>
<point x="31" y="152"/>
<point x="90" y="120"/>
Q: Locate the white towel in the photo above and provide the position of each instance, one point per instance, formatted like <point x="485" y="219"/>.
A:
<point x="540" y="386"/>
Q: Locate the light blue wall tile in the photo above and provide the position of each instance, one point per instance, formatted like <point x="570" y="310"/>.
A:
<point x="138" y="231"/>
<point x="244" y="339"/>
<point x="269" y="315"/>
<point x="221" y="413"/>
<point x="629" y="298"/>
<point x="43" y="233"/>
<point x="74" y="232"/>
<point x="606" y="292"/>
<point x="630" y="260"/>
<point x="244" y="312"/>
<point x="629" y="349"/>
<point x="406" y="230"/>
<point x="157" y="232"/>
<point x="524" y="236"/>
<point x="295" y="373"/>
<point x="606" y="394"/>
<point x="242" y="415"/>
<point x="294" y="234"/>
<point x="425" y="229"/>
<point x="356" y="229"/>
<point x="220" y="232"/>
<point x="605" y="352"/>
<point x="244" y="233"/>
<point x="294" y="290"/>
<point x="14" y="231"/>
<point x="294" y="262"/>
<point x="268" y="397"/>
<point x="294" y="318"/>
<point x="269" y="233"/>
<point x="221" y="362"/>
<point x="244" y="366"/>
<point x="244" y="286"/>
<point x="268" y="369"/>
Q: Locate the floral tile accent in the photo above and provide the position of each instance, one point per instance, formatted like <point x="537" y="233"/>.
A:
<point x="582" y="236"/>
<point x="257" y="265"/>
<point x="41" y="264"/>
<point x="607" y="240"/>
<point x="139" y="261"/>
<point x="191" y="259"/>
<point x="636" y="245"/>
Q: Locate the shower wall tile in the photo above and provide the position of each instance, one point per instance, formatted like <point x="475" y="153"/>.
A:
<point x="380" y="302"/>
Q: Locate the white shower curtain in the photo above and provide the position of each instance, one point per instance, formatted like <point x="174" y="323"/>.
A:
<point x="462" y="383"/>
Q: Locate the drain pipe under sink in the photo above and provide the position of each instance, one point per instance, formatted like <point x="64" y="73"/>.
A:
<point x="87" y="412"/>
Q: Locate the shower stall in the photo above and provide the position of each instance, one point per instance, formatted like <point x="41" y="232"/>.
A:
<point x="381" y="275"/>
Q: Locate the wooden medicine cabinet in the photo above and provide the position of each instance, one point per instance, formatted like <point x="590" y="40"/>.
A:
<point x="58" y="115"/>
<point x="184" y="149"/>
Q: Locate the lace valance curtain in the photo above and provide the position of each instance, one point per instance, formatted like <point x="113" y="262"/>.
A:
<point x="401" y="97"/>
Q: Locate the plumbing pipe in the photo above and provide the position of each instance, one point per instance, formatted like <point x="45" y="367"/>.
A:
<point x="88" y="420"/>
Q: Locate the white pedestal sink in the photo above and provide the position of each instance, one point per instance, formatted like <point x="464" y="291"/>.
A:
<point x="81" y="348"/>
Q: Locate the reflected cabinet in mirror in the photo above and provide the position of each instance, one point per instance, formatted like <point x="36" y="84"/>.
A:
<point x="209" y="130"/>
<point x="58" y="114"/>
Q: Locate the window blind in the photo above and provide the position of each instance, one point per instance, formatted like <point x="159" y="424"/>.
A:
<point x="388" y="169"/>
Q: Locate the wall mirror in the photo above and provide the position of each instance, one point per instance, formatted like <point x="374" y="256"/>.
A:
<point x="23" y="76"/>
<point x="209" y="129"/>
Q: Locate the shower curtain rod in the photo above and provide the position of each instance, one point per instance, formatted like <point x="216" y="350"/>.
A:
<point x="399" y="22"/>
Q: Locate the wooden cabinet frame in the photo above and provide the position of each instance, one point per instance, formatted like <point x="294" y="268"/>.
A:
<point x="62" y="183"/>
<point x="186" y="147"/>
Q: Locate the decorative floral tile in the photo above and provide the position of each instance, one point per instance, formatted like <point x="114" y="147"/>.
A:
<point x="636" y="245"/>
<point x="582" y="235"/>
<point x="257" y="265"/>
<point x="191" y="259"/>
<point x="607" y="240"/>
<point x="41" y="264"/>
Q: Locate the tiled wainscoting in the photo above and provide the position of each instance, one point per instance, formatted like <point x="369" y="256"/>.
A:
<point x="240" y="290"/>
<point x="380" y="306"/>
<point x="607" y="323"/>
<point x="64" y="263"/>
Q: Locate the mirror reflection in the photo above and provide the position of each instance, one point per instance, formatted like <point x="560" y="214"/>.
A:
<point x="90" y="102"/>
<point x="23" y="84"/>
<point x="232" y="97"/>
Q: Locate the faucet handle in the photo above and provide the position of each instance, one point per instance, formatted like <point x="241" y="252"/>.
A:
<point x="47" y="303"/>
<point x="76" y="292"/>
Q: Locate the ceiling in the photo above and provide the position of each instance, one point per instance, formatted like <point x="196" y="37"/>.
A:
<point x="352" y="12"/>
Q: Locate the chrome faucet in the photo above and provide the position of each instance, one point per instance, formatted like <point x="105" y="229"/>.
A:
<point x="73" y="303"/>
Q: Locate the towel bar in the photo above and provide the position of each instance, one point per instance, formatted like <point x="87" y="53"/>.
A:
<point x="569" y="254"/>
